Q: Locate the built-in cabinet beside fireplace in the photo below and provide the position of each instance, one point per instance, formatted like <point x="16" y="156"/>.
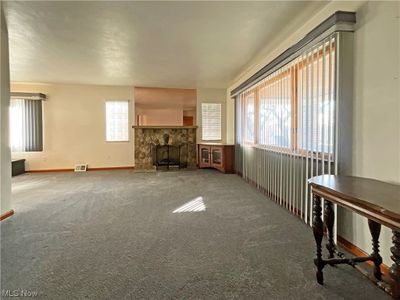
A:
<point x="217" y="156"/>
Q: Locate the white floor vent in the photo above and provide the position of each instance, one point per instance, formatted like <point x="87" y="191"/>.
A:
<point x="81" y="168"/>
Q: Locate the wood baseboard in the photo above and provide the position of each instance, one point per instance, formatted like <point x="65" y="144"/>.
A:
<point x="112" y="168"/>
<point x="49" y="170"/>
<point x="353" y="249"/>
<point x="6" y="214"/>
<point x="89" y="169"/>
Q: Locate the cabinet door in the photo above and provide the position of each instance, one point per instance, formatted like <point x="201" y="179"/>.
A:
<point x="217" y="157"/>
<point x="204" y="155"/>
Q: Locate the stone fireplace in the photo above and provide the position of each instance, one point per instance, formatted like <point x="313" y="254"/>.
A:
<point x="147" y="137"/>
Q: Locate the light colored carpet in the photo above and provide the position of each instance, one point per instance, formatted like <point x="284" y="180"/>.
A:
<point x="113" y="235"/>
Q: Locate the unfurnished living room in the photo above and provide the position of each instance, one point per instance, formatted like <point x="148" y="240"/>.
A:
<point x="200" y="150"/>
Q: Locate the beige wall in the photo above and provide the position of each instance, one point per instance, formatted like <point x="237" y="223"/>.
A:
<point x="376" y="112"/>
<point x="213" y="96"/>
<point x="230" y="118"/>
<point x="5" y="158"/>
<point x="74" y="127"/>
<point x="376" y="100"/>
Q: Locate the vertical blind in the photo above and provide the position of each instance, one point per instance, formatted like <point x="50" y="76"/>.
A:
<point x="286" y="127"/>
<point x="26" y="125"/>
<point x="211" y="121"/>
<point x="117" y="120"/>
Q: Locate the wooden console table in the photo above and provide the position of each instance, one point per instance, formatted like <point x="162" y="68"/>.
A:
<point x="376" y="200"/>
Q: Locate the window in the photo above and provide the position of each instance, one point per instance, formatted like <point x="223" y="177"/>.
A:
<point x="293" y="108"/>
<point x="303" y="100"/>
<point x="249" y="106"/>
<point x="211" y="121"/>
<point x="316" y="117"/>
<point x="275" y="111"/>
<point x="117" y="121"/>
<point x="26" y="125"/>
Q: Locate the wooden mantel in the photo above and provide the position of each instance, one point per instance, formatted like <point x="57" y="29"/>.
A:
<point x="163" y="127"/>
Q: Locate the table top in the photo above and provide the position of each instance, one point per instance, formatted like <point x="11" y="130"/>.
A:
<point x="371" y="198"/>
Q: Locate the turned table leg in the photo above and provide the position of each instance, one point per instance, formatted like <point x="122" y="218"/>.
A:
<point x="329" y="218"/>
<point x="318" y="233"/>
<point x="375" y="229"/>
<point x="395" y="268"/>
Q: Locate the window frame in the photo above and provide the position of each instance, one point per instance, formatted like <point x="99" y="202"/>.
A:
<point x="105" y="120"/>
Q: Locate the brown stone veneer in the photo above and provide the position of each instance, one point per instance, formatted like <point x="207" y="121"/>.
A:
<point x="145" y="136"/>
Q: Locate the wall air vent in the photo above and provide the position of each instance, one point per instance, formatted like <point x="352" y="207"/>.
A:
<point x="81" y="168"/>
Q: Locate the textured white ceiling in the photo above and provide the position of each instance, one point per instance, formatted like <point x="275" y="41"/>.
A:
<point x="164" y="44"/>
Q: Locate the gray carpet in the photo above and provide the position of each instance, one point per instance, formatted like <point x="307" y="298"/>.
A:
<point x="112" y="235"/>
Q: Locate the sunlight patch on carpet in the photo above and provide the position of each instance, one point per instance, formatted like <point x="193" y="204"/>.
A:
<point x="194" y="205"/>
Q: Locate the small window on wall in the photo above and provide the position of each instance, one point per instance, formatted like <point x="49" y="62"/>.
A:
<point x="117" y="121"/>
<point x="211" y="121"/>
